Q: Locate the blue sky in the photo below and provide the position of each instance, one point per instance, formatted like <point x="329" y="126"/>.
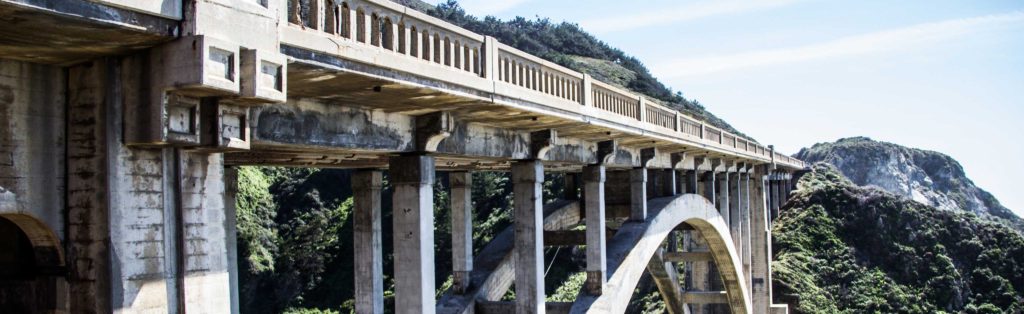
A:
<point x="939" y="75"/>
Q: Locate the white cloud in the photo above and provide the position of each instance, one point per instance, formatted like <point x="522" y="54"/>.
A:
<point x="854" y="45"/>
<point x="662" y="16"/>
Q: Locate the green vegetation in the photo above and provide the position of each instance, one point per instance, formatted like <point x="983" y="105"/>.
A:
<point x="841" y="248"/>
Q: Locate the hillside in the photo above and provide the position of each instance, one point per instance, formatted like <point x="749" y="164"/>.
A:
<point x="928" y="177"/>
<point x="569" y="45"/>
<point x="841" y="248"/>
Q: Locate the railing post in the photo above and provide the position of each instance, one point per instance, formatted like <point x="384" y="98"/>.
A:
<point x="588" y="90"/>
<point x="316" y="14"/>
<point x="489" y="57"/>
<point x="642" y="103"/>
<point x="703" y="132"/>
<point x="679" y="124"/>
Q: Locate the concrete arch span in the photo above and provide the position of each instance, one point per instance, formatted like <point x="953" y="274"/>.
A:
<point x="633" y="246"/>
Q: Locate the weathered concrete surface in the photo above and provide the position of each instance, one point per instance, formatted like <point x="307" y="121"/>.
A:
<point x="146" y="227"/>
<point x="632" y="247"/>
<point x="461" y="184"/>
<point x="596" y="241"/>
<point x="205" y="275"/>
<point x="527" y="178"/>
<point x="87" y="30"/>
<point x="32" y="139"/>
<point x="760" y="239"/>
<point x="413" y="178"/>
<point x="366" y="233"/>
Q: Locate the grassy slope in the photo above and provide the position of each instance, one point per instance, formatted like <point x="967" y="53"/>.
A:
<point x="841" y="248"/>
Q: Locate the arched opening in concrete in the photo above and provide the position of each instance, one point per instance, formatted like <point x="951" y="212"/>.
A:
<point x="387" y="34"/>
<point x="345" y="21"/>
<point x="636" y="243"/>
<point x="32" y="278"/>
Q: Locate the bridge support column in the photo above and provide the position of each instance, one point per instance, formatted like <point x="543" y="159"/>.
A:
<point x="745" y="208"/>
<point x="669" y="182"/>
<point x="366" y="234"/>
<point x="760" y="235"/>
<point x="774" y="197"/>
<point x="735" y="205"/>
<point x="723" y="196"/>
<point x="462" y="228"/>
<point x="638" y="194"/>
<point x="527" y="178"/>
<point x="692" y="181"/>
<point x="413" y="207"/>
<point x="597" y="264"/>
<point x="571" y="189"/>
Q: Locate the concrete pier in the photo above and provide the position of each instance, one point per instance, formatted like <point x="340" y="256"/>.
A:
<point x="527" y="178"/>
<point x="462" y="228"/>
<point x="413" y="204"/>
<point x="367" y="245"/>
<point x="597" y="265"/>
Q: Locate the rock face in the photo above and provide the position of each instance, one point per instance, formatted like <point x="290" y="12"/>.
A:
<point x="928" y="177"/>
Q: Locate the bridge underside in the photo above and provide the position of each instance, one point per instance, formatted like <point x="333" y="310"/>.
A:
<point x="135" y="114"/>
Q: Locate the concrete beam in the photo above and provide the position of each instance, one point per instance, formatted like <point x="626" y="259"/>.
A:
<point x="527" y="178"/>
<point x="367" y="245"/>
<point x="565" y="238"/>
<point x="597" y="264"/>
<point x="412" y="177"/>
<point x="462" y="228"/>
<point x="706" y="297"/>
<point x="681" y="257"/>
<point x="667" y="279"/>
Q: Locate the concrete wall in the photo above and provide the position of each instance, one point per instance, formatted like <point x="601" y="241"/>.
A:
<point x="31" y="188"/>
<point x="143" y="239"/>
<point x="32" y="142"/>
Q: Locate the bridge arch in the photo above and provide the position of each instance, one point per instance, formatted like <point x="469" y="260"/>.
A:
<point x="32" y="266"/>
<point x="636" y="243"/>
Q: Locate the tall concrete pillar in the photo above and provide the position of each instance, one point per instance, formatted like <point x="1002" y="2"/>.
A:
<point x="462" y="228"/>
<point x="230" y="226"/>
<point x="723" y="195"/>
<point x="709" y="187"/>
<point x="745" y="217"/>
<point x="692" y="181"/>
<point x="366" y="235"/>
<point x="638" y="194"/>
<point x="735" y="205"/>
<point x="760" y="234"/>
<point x="774" y="197"/>
<point x="597" y="264"/>
<point x="527" y="178"/>
<point x="668" y="180"/>
<point x="413" y="205"/>
<point x="571" y="189"/>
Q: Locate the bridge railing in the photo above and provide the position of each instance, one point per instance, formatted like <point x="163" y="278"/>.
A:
<point x="392" y="35"/>
<point x="528" y="71"/>
<point x="612" y="99"/>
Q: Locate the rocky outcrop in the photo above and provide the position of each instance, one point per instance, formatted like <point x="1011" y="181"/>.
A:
<point x="927" y="177"/>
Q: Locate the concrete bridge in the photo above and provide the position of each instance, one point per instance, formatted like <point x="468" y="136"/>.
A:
<point x="123" y="122"/>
